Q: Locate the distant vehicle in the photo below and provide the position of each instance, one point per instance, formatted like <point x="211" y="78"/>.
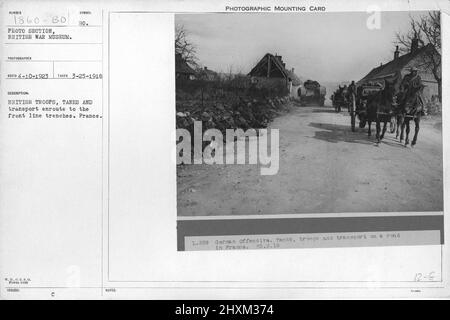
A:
<point x="311" y="92"/>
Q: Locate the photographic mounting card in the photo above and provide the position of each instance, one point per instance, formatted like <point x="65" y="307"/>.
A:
<point x="173" y="150"/>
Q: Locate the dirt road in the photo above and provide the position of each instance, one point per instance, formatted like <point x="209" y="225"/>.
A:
<point x="324" y="167"/>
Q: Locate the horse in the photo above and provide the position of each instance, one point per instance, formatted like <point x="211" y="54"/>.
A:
<point x="338" y="99"/>
<point x="378" y="108"/>
<point x="410" y="107"/>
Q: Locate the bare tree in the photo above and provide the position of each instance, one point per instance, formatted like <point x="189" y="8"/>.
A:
<point x="427" y="30"/>
<point x="184" y="46"/>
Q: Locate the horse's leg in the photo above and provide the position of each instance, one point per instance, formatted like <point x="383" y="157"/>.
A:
<point x="384" y="128"/>
<point x="378" y="129"/>
<point x="402" y="131"/>
<point x="416" y="129"/>
<point x="369" y="132"/>
<point x="399" y="125"/>
<point x="407" y="131"/>
<point x="397" y="131"/>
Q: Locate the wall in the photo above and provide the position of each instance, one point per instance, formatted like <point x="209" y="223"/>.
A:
<point x="431" y="86"/>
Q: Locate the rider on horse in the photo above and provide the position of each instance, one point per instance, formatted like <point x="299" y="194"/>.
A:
<point x="409" y="96"/>
<point x="410" y="104"/>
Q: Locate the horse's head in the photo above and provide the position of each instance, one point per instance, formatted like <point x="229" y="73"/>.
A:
<point x="388" y="94"/>
<point x="362" y="116"/>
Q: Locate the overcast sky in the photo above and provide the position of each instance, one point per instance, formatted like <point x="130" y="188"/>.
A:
<point x="324" y="47"/>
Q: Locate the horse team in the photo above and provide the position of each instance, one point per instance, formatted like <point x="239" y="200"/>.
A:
<point x="396" y="104"/>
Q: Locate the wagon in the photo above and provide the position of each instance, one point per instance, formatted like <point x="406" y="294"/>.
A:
<point x="357" y="104"/>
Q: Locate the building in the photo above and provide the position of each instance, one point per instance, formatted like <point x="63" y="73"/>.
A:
<point x="207" y="74"/>
<point x="271" y="68"/>
<point x="396" y="69"/>
<point x="182" y="69"/>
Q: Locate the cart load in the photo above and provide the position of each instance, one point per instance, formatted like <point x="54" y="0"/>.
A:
<point x="365" y="91"/>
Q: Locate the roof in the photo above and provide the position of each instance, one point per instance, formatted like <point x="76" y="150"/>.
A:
<point x="260" y="69"/>
<point x="208" y="72"/>
<point x="394" y="66"/>
<point x="182" y="66"/>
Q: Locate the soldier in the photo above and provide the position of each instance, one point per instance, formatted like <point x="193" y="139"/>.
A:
<point x="352" y="88"/>
<point x="411" y="85"/>
<point x="411" y="80"/>
<point x="344" y="92"/>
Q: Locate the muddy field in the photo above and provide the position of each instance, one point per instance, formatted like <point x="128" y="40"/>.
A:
<point x="324" y="167"/>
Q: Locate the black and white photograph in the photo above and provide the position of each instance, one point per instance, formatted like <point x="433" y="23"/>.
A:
<point x="281" y="113"/>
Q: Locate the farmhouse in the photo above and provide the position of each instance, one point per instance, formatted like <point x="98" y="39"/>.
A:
<point x="182" y="69"/>
<point x="399" y="66"/>
<point x="272" y="69"/>
<point x="207" y="74"/>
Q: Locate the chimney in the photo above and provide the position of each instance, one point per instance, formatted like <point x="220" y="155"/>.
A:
<point x="414" y="44"/>
<point x="292" y="70"/>
<point x="396" y="53"/>
<point x="206" y="68"/>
